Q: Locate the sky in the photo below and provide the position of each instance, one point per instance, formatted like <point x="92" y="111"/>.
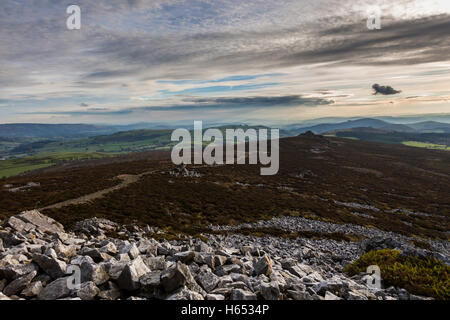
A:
<point x="222" y="60"/>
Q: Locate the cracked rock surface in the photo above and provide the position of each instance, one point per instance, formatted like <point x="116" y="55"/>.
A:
<point x="41" y="260"/>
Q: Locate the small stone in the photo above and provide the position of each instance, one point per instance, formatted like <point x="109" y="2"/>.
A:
<point x="155" y="263"/>
<point x="131" y="249"/>
<point x="131" y="273"/>
<point x="55" y="290"/>
<point x="270" y="291"/>
<point x="353" y="295"/>
<point x="95" y="254"/>
<point x="219" y="260"/>
<point x="177" y="277"/>
<point x="33" y="289"/>
<point x="65" y="252"/>
<point x="215" y="297"/>
<point x="109" y="249"/>
<point x="263" y="266"/>
<point x="93" y="272"/>
<point x="208" y="280"/>
<point x="185" y="257"/>
<point x="112" y="292"/>
<point x="227" y="269"/>
<point x="3" y="283"/>
<point x="185" y="294"/>
<point x="53" y="267"/>
<point x="240" y="294"/>
<point x="88" y="291"/>
<point x="330" y="296"/>
<point x="3" y="297"/>
<point x="12" y="272"/>
<point x="19" y="284"/>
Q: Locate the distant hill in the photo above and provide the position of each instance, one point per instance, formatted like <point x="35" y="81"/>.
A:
<point x="360" y="123"/>
<point x="431" y="126"/>
<point x="355" y="130"/>
<point x="119" y="142"/>
<point x="433" y="139"/>
<point x="398" y="128"/>
<point x="37" y="130"/>
<point x="420" y="127"/>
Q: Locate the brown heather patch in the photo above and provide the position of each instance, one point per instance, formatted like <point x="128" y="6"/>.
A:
<point x="189" y="205"/>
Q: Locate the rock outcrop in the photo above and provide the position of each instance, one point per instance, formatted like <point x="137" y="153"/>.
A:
<point x="41" y="260"/>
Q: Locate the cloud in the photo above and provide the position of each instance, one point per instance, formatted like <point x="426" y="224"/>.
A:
<point x="209" y="104"/>
<point x="384" y="90"/>
<point x="84" y="104"/>
<point x="167" y="48"/>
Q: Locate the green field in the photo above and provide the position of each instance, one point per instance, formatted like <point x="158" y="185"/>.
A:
<point x="426" y="145"/>
<point x="121" y="142"/>
<point x="17" y="166"/>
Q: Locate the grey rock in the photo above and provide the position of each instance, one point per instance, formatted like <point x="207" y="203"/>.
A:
<point x="19" y="284"/>
<point x="111" y="292"/>
<point x="12" y="272"/>
<point x="227" y="269"/>
<point x="55" y="290"/>
<point x="379" y="243"/>
<point x="65" y="252"/>
<point x="88" y="291"/>
<point x="95" y="254"/>
<point x="185" y="294"/>
<point x="403" y="294"/>
<point x="240" y="294"/>
<point x="41" y="222"/>
<point x="19" y="225"/>
<point x="95" y="226"/>
<point x="185" y="257"/>
<point x="214" y="297"/>
<point x="33" y="289"/>
<point x="354" y="295"/>
<point x="177" y="277"/>
<point x="263" y="266"/>
<point x="129" y="248"/>
<point x="208" y="280"/>
<point x="155" y="263"/>
<point x="270" y="291"/>
<point x="93" y="272"/>
<point x="109" y="248"/>
<point x="78" y="260"/>
<point x="150" y="284"/>
<point x="114" y="268"/>
<point x="330" y="296"/>
<point x="133" y="271"/>
<point x="3" y="283"/>
<point x="53" y="267"/>
<point x="219" y="260"/>
<point x="3" y="297"/>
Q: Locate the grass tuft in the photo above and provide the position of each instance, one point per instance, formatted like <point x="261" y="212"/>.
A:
<point x="420" y="276"/>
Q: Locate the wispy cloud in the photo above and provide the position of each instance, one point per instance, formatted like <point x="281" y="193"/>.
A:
<point x="129" y="54"/>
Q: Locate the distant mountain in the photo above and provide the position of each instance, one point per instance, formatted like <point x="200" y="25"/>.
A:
<point x="431" y="126"/>
<point x="38" y="130"/>
<point x="118" y="142"/>
<point x="366" y="130"/>
<point x="397" y="128"/>
<point x="434" y="139"/>
<point x="326" y="127"/>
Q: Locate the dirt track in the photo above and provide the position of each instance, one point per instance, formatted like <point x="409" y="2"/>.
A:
<point x="127" y="179"/>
